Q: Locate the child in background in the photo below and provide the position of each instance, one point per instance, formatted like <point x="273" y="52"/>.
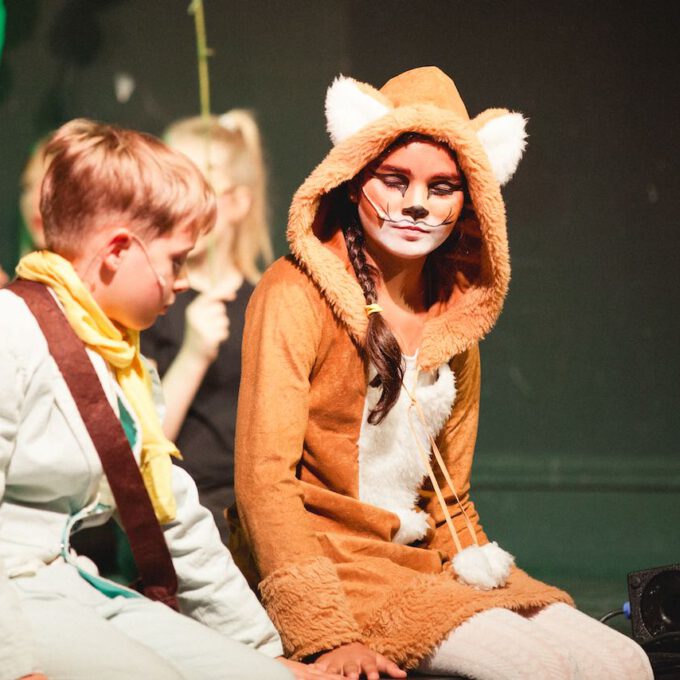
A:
<point x="197" y="344"/>
<point x="121" y="212"/>
<point x="29" y="200"/>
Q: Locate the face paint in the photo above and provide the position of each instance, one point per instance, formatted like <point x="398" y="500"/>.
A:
<point x="409" y="204"/>
<point x="386" y="215"/>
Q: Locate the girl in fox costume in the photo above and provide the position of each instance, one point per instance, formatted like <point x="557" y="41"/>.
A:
<point x="359" y="403"/>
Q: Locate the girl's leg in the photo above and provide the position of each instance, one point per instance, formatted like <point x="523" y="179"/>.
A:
<point x="602" y="653"/>
<point x="500" y="645"/>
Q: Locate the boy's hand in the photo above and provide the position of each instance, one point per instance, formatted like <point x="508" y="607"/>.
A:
<point x="303" y="671"/>
<point x="207" y="326"/>
<point x="354" y="659"/>
<point x="33" y="676"/>
<point x="3" y="280"/>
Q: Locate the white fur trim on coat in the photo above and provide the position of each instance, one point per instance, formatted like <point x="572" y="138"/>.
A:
<point x="348" y="109"/>
<point x="504" y="140"/>
<point x="391" y="471"/>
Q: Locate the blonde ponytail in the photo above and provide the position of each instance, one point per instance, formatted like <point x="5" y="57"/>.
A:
<point x="233" y="157"/>
<point x="252" y="241"/>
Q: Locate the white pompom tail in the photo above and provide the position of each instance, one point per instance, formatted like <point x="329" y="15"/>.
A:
<point x="484" y="567"/>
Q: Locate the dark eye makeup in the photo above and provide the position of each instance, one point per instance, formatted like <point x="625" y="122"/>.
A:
<point x="445" y="188"/>
<point x="437" y="188"/>
<point x="392" y="180"/>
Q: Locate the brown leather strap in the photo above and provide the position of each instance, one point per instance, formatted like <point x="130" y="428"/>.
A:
<point x="149" y="549"/>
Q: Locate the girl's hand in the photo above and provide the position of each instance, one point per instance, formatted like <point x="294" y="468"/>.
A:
<point x="302" y="671"/>
<point x="3" y="280"/>
<point x="33" y="676"/>
<point x="354" y="659"/>
<point x="207" y="326"/>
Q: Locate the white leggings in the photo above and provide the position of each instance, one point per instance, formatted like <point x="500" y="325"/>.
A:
<point x="554" y="643"/>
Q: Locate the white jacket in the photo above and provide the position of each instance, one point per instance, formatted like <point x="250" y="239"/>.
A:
<point x="50" y="473"/>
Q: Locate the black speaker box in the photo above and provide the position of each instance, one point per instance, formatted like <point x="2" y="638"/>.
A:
<point x="655" y="617"/>
<point x="655" y="603"/>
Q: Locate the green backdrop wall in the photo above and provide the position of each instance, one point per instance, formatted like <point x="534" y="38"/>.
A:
<point x="577" y="468"/>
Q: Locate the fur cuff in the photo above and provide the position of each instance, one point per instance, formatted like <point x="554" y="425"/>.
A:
<point x="485" y="567"/>
<point x="309" y="608"/>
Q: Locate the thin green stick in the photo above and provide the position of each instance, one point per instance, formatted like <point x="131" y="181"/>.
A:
<point x="203" y="52"/>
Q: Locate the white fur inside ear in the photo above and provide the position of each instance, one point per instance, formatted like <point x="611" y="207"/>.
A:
<point x="504" y="139"/>
<point x="484" y="567"/>
<point x="348" y="109"/>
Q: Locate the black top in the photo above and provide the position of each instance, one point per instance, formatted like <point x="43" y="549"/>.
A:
<point x="206" y="439"/>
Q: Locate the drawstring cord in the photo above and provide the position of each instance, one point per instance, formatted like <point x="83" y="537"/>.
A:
<point x="440" y="461"/>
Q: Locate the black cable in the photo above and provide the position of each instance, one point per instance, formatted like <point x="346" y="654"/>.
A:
<point x="611" y="615"/>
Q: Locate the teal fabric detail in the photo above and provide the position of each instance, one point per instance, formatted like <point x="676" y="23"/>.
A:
<point x="108" y="588"/>
<point x="129" y="426"/>
<point x="103" y="585"/>
<point x="124" y="559"/>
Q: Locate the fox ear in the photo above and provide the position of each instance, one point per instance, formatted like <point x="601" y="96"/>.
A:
<point x="350" y="106"/>
<point x="503" y="137"/>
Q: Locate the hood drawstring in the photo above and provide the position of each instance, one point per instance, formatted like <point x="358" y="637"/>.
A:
<point x="484" y="567"/>
<point x="440" y="462"/>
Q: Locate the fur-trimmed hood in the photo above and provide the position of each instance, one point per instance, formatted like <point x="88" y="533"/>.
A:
<point x="362" y="122"/>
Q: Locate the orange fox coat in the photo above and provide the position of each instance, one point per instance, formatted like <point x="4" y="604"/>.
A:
<point x="327" y="568"/>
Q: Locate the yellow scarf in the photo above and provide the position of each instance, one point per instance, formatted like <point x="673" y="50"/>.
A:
<point x="120" y="349"/>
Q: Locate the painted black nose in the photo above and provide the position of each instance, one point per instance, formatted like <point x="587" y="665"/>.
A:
<point x="415" y="212"/>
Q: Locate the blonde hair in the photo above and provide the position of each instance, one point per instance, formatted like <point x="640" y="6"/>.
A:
<point x="230" y="154"/>
<point x="98" y="171"/>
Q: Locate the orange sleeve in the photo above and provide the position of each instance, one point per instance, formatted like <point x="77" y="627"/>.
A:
<point x="300" y="587"/>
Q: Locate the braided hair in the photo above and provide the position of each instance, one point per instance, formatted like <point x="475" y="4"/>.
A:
<point x="382" y="348"/>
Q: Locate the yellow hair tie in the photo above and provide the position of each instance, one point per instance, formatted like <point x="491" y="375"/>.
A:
<point x="373" y="308"/>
